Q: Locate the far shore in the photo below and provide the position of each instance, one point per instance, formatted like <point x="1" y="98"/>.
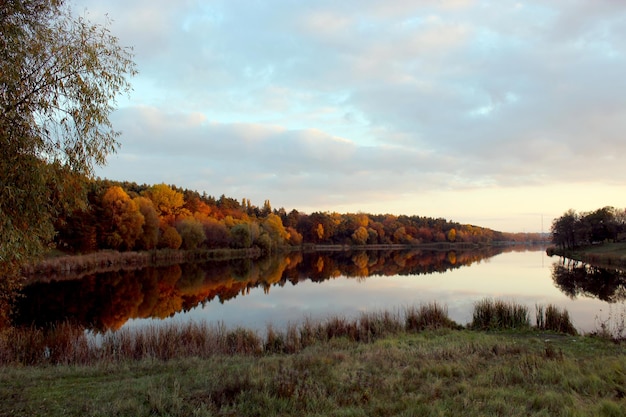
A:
<point x="59" y="266"/>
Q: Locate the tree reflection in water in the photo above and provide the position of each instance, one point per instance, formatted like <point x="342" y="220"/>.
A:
<point x="579" y="279"/>
<point x="106" y="301"/>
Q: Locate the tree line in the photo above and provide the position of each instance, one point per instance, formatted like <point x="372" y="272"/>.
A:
<point x="573" y="230"/>
<point x="127" y="216"/>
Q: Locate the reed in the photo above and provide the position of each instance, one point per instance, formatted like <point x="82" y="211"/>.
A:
<point x="490" y="314"/>
<point x="552" y="318"/>
<point x="274" y="340"/>
<point x="307" y="332"/>
<point x="62" y="344"/>
<point x="428" y="317"/>
<point x="377" y="325"/>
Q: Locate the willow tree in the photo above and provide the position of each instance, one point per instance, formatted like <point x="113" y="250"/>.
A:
<point x="60" y="76"/>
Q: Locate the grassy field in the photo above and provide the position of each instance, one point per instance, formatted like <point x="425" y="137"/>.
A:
<point x="412" y="363"/>
<point x="430" y="373"/>
<point x="606" y="254"/>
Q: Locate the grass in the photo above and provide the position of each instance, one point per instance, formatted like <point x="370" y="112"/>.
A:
<point x="411" y="362"/>
<point x="434" y="372"/>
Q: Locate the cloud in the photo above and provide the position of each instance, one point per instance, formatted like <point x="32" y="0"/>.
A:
<point x="337" y="102"/>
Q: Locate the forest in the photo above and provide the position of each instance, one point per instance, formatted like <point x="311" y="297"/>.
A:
<point x="126" y="216"/>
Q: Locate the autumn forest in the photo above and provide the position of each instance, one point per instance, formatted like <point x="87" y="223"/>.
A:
<point x="125" y="216"/>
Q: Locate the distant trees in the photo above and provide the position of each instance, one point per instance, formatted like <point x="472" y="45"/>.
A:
<point x="170" y="238"/>
<point x="217" y="234"/>
<point x="573" y="229"/>
<point x="273" y="226"/>
<point x="128" y="216"/>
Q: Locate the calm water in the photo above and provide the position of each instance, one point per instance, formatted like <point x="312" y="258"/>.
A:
<point x="317" y="285"/>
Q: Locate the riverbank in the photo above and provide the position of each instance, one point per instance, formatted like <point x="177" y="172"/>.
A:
<point x="432" y="372"/>
<point x="612" y="255"/>
<point x="63" y="267"/>
<point x="418" y="362"/>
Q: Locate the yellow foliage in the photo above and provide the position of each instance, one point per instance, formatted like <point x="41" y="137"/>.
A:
<point x="122" y="220"/>
<point x="166" y="201"/>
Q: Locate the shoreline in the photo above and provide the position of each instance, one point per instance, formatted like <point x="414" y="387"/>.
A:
<point x="68" y="267"/>
<point x="412" y="372"/>
<point x="608" y="255"/>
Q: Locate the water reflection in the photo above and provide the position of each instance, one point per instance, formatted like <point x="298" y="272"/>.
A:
<point x="579" y="279"/>
<point x="106" y="301"/>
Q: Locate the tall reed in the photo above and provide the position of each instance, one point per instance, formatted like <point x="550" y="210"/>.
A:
<point x="428" y="317"/>
<point x="497" y="314"/>
<point x="553" y="318"/>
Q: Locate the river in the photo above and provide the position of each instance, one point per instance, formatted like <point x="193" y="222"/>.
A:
<point x="295" y="286"/>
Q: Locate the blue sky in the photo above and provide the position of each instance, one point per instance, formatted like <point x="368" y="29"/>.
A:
<point x="499" y="114"/>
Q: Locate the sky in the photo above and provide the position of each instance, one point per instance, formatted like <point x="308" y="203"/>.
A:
<point x="500" y="114"/>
